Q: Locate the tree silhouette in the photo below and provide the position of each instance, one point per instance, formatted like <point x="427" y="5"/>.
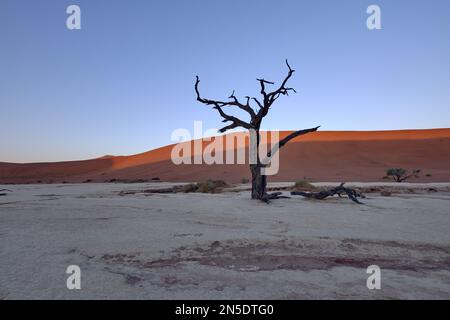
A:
<point x="259" y="180"/>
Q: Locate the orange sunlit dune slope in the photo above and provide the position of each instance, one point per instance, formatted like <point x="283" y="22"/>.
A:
<point x="320" y="156"/>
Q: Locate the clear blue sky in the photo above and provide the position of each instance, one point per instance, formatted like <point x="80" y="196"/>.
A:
<point x="124" y="82"/>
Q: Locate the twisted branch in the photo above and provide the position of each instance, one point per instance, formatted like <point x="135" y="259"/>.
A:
<point x="339" y="190"/>
<point x="218" y="105"/>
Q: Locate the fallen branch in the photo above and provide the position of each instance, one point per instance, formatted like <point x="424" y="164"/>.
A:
<point x="4" y="193"/>
<point x="271" y="196"/>
<point x="339" y="190"/>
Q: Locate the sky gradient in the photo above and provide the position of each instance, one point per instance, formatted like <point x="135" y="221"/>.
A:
<point x="124" y="82"/>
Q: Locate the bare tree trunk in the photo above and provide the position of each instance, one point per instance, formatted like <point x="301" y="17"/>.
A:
<point x="259" y="182"/>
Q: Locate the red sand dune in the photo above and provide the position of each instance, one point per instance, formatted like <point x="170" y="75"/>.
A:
<point x="320" y="156"/>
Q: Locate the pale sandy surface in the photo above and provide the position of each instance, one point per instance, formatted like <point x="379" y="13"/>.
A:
<point x="165" y="246"/>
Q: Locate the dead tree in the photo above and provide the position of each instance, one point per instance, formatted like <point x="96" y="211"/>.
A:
<point x="256" y="115"/>
<point x="339" y="190"/>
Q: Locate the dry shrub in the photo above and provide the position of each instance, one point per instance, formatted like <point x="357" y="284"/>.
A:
<point x="211" y="186"/>
<point x="208" y="186"/>
<point x="304" y="185"/>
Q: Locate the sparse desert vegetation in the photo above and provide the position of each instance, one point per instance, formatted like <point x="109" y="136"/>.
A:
<point x="303" y="185"/>
<point x="211" y="186"/>
<point x="400" y="174"/>
<point x="208" y="186"/>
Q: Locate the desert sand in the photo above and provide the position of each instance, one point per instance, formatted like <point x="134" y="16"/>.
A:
<point x="135" y="245"/>
<point x="321" y="156"/>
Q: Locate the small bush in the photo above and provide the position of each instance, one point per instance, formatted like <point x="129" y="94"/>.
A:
<point x="303" y="185"/>
<point x="245" y="180"/>
<point x="400" y="174"/>
<point x="208" y="186"/>
<point x="191" y="187"/>
<point x="429" y="175"/>
<point x="211" y="186"/>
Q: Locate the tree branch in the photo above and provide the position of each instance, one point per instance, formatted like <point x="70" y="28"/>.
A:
<point x="296" y="134"/>
<point x="269" y="98"/>
<point x="218" y="105"/>
<point x="255" y="117"/>
<point x="351" y="193"/>
<point x="288" y="138"/>
<point x="246" y="107"/>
